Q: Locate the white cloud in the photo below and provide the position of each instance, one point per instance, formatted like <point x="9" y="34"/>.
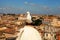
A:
<point x="3" y="8"/>
<point x="29" y="3"/>
<point x="32" y="4"/>
<point x="25" y="2"/>
<point x="0" y="8"/>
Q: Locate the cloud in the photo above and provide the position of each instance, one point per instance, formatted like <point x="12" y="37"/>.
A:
<point x="32" y="4"/>
<point x="39" y="7"/>
<point x="25" y="2"/>
<point x="46" y="8"/>
<point x="0" y="8"/>
<point x="10" y="10"/>
<point x="29" y="3"/>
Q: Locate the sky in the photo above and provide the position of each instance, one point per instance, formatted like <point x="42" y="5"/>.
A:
<point x="33" y="6"/>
